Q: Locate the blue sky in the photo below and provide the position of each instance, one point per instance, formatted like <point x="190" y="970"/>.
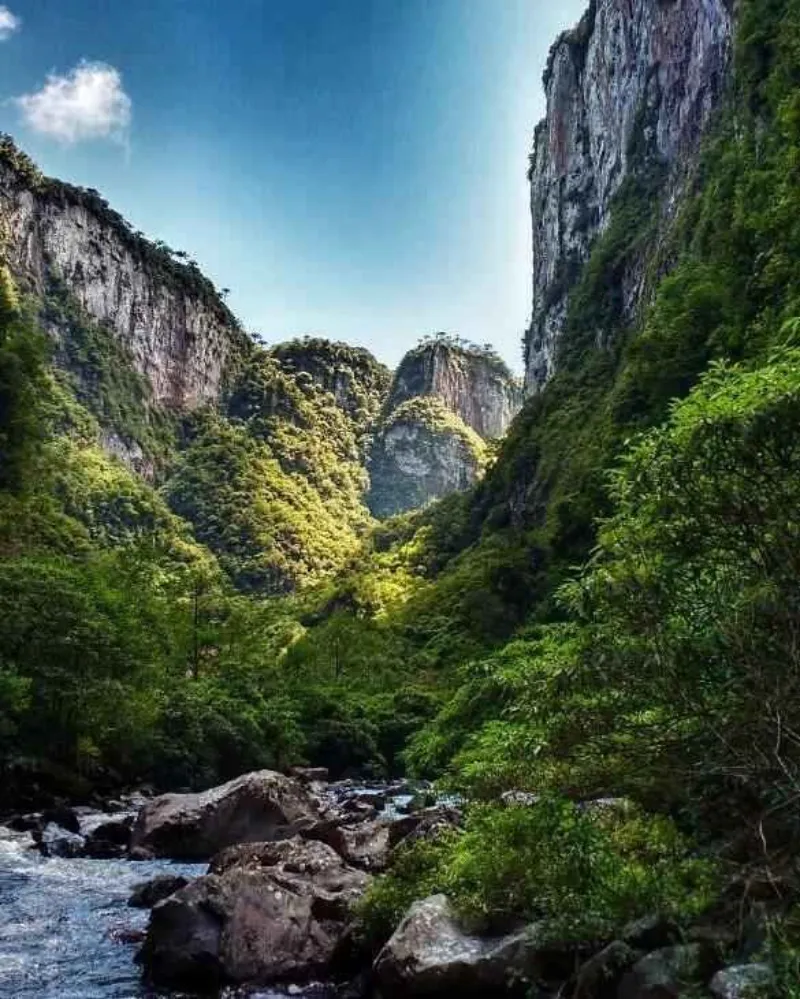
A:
<point x="353" y="168"/>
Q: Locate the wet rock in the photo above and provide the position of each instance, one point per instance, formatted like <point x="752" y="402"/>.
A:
<point x="109" y="839"/>
<point x="24" y="823"/>
<point x="526" y="798"/>
<point x="599" y="977"/>
<point x="149" y="893"/>
<point x="429" y="954"/>
<point x="257" y="807"/>
<point x="266" y="912"/>
<point x="63" y="816"/>
<point x="666" y="973"/>
<point x="745" y="981"/>
<point x="53" y="841"/>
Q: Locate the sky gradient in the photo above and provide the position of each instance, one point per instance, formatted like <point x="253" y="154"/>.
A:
<point x="352" y="168"/>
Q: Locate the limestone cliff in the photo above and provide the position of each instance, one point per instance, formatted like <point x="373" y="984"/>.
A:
<point x="472" y="382"/>
<point x="634" y="78"/>
<point x="167" y="316"/>
<point x="446" y="400"/>
<point x="422" y="452"/>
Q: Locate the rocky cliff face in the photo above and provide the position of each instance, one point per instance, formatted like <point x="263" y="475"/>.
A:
<point x="445" y="402"/>
<point x="634" y="75"/>
<point x="169" y="318"/>
<point x="422" y="452"/>
<point x="473" y="383"/>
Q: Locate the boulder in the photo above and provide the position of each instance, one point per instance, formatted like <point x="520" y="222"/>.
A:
<point x="424" y="825"/>
<point x="53" y="841"/>
<point x="109" y="839"/>
<point x="63" y="816"/>
<point x="149" y="893"/>
<point x="265" y="912"/>
<point x="745" y="981"/>
<point x="669" y="972"/>
<point x="258" y="807"/>
<point x="429" y="954"/>
<point x="651" y="933"/>
<point x="364" y="844"/>
<point x="599" y="977"/>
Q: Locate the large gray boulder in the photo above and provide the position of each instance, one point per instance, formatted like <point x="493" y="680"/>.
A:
<point x="429" y="954"/>
<point x="266" y="912"/>
<point x="257" y="807"/>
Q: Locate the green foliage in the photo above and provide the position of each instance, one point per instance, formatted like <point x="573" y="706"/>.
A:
<point x="22" y="366"/>
<point x="100" y="374"/>
<point x="582" y="873"/>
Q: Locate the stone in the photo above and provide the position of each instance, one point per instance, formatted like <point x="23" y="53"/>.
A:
<point x="109" y="839"/>
<point x="424" y="825"/>
<point x="744" y="981"/>
<point x="599" y="977"/>
<point x="364" y="845"/>
<point x="53" y="841"/>
<point x="668" y="972"/>
<point x="149" y="893"/>
<point x="265" y="912"/>
<point x="63" y="816"/>
<point x="429" y="954"/>
<point x="256" y="807"/>
<point x="631" y="70"/>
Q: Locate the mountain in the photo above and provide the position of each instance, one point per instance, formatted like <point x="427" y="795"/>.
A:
<point x="446" y="400"/>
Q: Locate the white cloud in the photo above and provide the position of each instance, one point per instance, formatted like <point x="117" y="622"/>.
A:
<point x="87" y="103"/>
<point x="9" y="23"/>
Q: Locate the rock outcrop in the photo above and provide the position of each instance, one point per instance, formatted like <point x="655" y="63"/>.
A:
<point x="635" y="78"/>
<point x="169" y="318"/>
<point x="422" y="452"/>
<point x="472" y="382"/>
<point x="357" y="381"/>
<point x="257" y="807"/>
<point x="446" y="401"/>
<point x="267" y="912"/>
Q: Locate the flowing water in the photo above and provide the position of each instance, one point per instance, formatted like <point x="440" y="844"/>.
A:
<point x="66" y="928"/>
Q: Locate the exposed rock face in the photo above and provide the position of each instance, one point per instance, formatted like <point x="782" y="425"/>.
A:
<point x="177" y="330"/>
<point x="260" y="806"/>
<point x="634" y="75"/>
<point x="474" y="384"/>
<point x="265" y="913"/>
<point x="421" y="452"/>
<point x="445" y="401"/>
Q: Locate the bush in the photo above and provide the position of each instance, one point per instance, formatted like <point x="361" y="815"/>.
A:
<point x="583" y="871"/>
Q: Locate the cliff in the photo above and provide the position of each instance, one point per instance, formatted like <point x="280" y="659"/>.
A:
<point x="472" y="382"/>
<point x="635" y="80"/>
<point x="422" y="452"/>
<point x="446" y="400"/>
<point x="163" y="312"/>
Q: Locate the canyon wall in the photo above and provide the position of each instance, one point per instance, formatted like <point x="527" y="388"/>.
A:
<point x="635" y="79"/>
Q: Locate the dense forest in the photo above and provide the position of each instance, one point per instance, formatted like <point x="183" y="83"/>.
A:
<point x="612" y="612"/>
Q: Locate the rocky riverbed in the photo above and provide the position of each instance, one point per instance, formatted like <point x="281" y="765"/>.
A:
<point x="67" y="930"/>
<point x="247" y="889"/>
